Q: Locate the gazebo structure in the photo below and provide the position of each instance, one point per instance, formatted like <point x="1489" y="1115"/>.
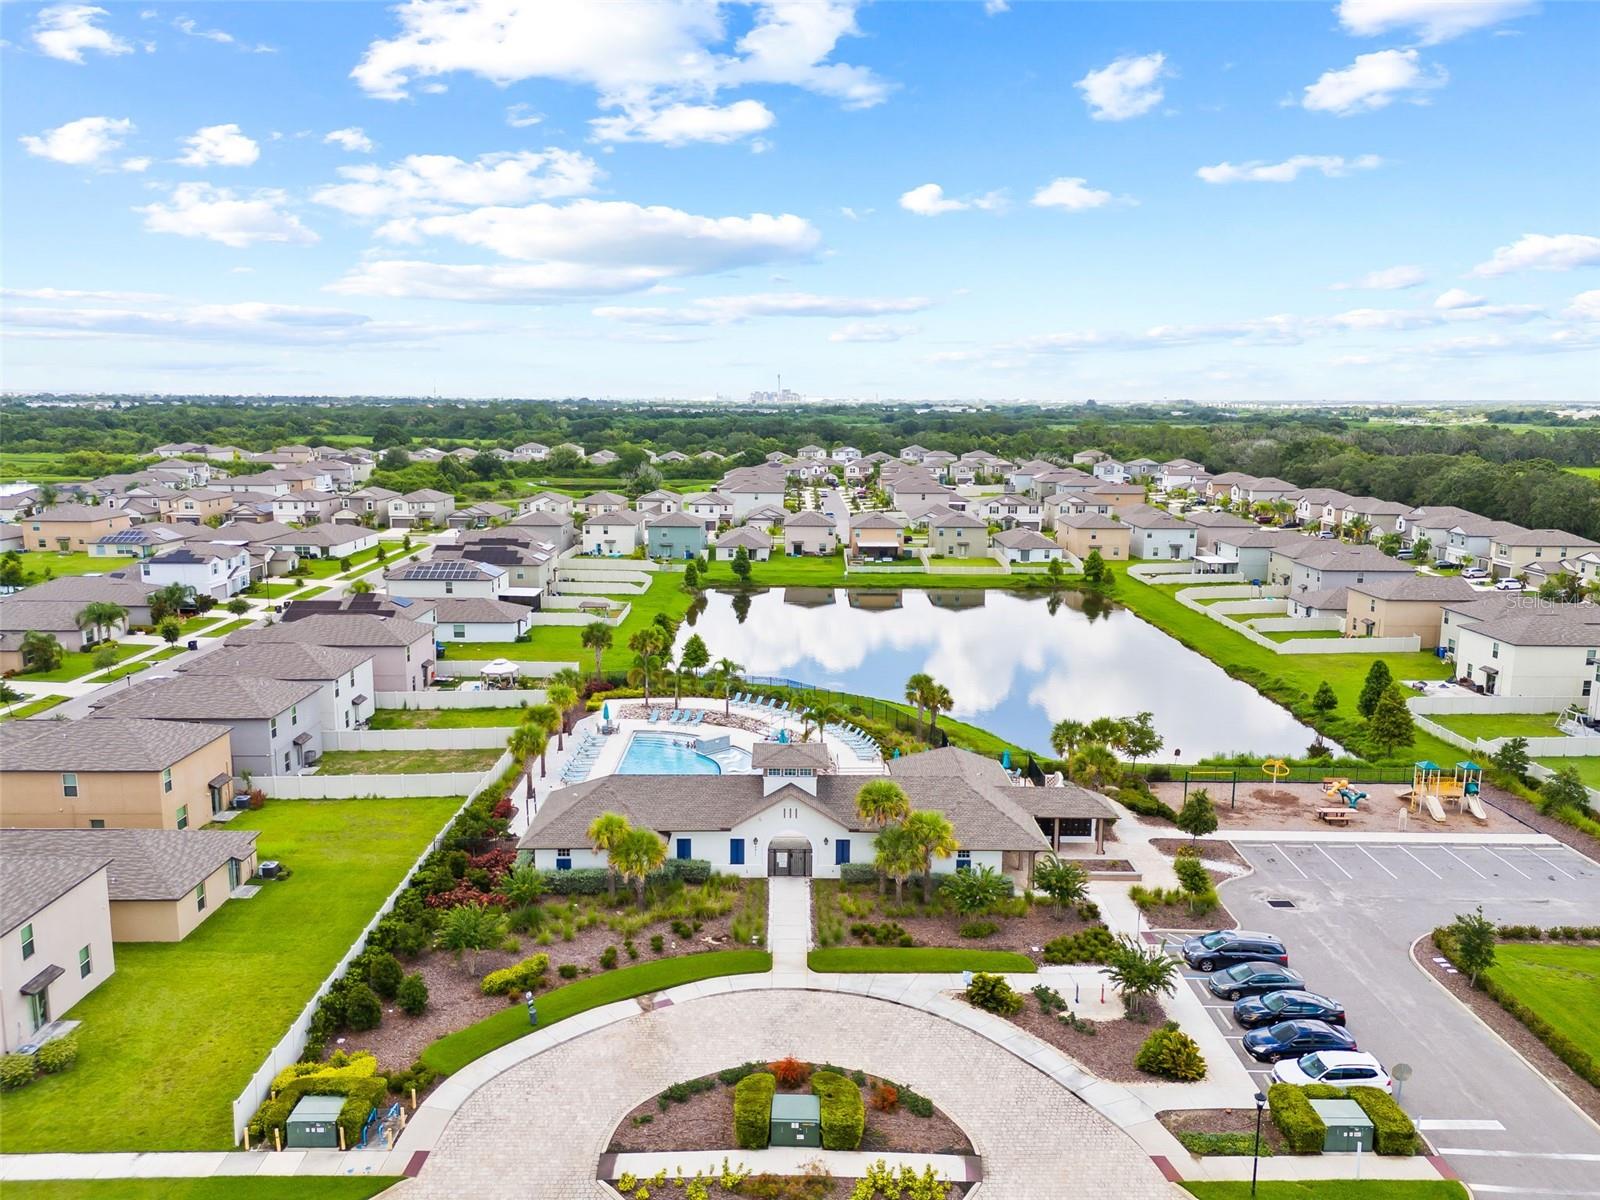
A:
<point x="500" y="674"/>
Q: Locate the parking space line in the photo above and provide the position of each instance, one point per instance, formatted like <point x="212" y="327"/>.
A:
<point x="1222" y="1021"/>
<point x="1508" y="863"/>
<point x="1463" y="862"/>
<point x="1284" y="854"/>
<point x="1548" y="863"/>
<point x="1540" y="1154"/>
<point x="1335" y="862"/>
<point x="1420" y="863"/>
<point x="1381" y="867"/>
<point x="1487" y="1126"/>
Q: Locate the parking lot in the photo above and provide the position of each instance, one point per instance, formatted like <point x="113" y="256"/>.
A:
<point x="1348" y="913"/>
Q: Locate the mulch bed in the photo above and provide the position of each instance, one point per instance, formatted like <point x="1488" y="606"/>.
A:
<point x="705" y="1122"/>
<point x="1177" y="917"/>
<point x="1211" y="850"/>
<point x="1104" y="864"/>
<point x="1108" y="1052"/>
<point x="1519" y="1036"/>
<point x="1224" y="1120"/>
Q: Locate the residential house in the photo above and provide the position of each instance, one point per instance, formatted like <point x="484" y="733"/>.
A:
<point x="161" y="883"/>
<point x="72" y="527"/>
<point x="1433" y="525"/>
<point x="20" y="616"/>
<point x="1021" y="477"/>
<point x="1011" y="509"/>
<point x="1380" y="517"/>
<point x="1178" y="473"/>
<point x="323" y="541"/>
<point x="1403" y="606"/>
<point x="55" y="938"/>
<point x="757" y="543"/>
<point x="913" y="453"/>
<point x="1121" y="496"/>
<point x="1111" y="471"/>
<point x="713" y="508"/>
<point x="402" y="649"/>
<point x="1318" y="507"/>
<point x="768" y="516"/>
<point x="1073" y="503"/>
<point x="603" y="458"/>
<point x="1209" y="526"/>
<point x="1023" y="545"/>
<point x="1084" y="533"/>
<point x="527" y="562"/>
<point x="1139" y="469"/>
<point x="1330" y="602"/>
<point x="479" y="515"/>
<point x="676" y="535"/>
<point x="751" y="489"/>
<point x="436" y="578"/>
<point x="810" y="533"/>
<point x="546" y="502"/>
<point x="425" y="506"/>
<point x="198" y="505"/>
<point x="1345" y="566"/>
<point x="1472" y="540"/>
<point x="304" y="508"/>
<point x="876" y="536"/>
<point x="613" y="534"/>
<point x="1550" y="655"/>
<point x="218" y="570"/>
<point x="1515" y="551"/>
<point x="1157" y="535"/>
<point x="554" y="529"/>
<point x="1219" y="488"/>
<point x="481" y="620"/>
<point x="956" y="535"/>
<point x="1088" y="458"/>
<point x="597" y="503"/>
<point x="1247" y="552"/>
<point x="812" y="452"/>
<point x="343" y="676"/>
<point x="531" y="452"/>
<point x="113" y="773"/>
<point x="672" y="458"/>
<point x="140" y="541"/>
<point x="372" y="502"/>
<point x="659" y="502"/>
<point x="573" y="447"/>
<point x="845" y="454"/>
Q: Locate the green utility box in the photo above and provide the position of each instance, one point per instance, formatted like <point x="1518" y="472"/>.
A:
<point x="1349" y="1127"/>
<point x="315" y="1122"/>
<point x="796" y="1121"/>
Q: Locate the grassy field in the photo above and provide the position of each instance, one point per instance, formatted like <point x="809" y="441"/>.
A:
<point x="403" y="762"/>
<point x="454" y="1051"/>
<point x="134" y="668"/>
<point x="1588" y="768"/>
<point x="362" y="560"/>
<point x="80" y="662"/>
<point x="1560" y="983"/>
<point x="173" y="1036"/>
<point x="894" y="960"/>
<point x="228" y="627"/>
<point x="446" y="718"/>
<point x="1496" y="725"/>
<point x="39" y="565"/>
<point x="1333" y="1189"/>
<point x="220" y="1187"/>
<point x="32" y="708"/>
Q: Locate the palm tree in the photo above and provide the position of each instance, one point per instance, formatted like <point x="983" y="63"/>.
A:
<point x="917" y="688"/>
<point x="100" y="617"/>
<point x="597" y="636"/>
<point x="636" y="854"/>
<point x="569" y="677"/>
<point x="1357" y="528"/>
<point x="1066" y="735"/>
<point x="821" y="714"/>
<point x="40" y="651"/>
<point x="1093" y="766"/>
<point x="881" y="803"/>
<point x="1138" y="974"/>
<point x="724" y="674"/>
<point x="168" y="601"/>
<point x="562" y="697"/>
<point x="605" y="833"/>
<point x="896" y="856"/>
<point x="360" y="588"/>
<point x="546" y="718"/>
<point x="1108" y="731"/>
<point x="939" y="700"/>
<point x="934" y="837"/>
<point x="525" y="743"/>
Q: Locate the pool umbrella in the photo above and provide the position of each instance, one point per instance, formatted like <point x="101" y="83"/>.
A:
<point x="1005" y="759"/>
<point x="896" y="753"/>
<point x="783" y="735"/>
<point x="605" y="712"/>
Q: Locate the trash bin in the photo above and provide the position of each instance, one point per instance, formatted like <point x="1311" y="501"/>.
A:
<point x="194" y="644"/>
<point x="1349" y="1127"/>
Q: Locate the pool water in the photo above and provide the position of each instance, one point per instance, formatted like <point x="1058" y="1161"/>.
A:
<point x="658" y="754"/>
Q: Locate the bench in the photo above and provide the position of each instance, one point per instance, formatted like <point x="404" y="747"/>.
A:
<point x="1336" y="816"/>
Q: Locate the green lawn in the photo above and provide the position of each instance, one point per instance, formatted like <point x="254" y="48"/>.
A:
<point x="1495" y="725"/>
<point x="134" y="668"/>
<point x="446" y="718"/>
<point x="218" y="1187"/>
<point x="454" y="1051"/>
<point x="1560" y="983"/>
<point x="225" y="629"/>
<point x="51" y="564"/>
<point x="1294" y="635"/>
<point x="1333" y="1189"/>
<point x="363" y="560"/>
<point x="80" y="662"/>
<point x="898" y="960"/>
<point x="1588" y="768"/>
<point x="403" y="762"/>
<point x="173" y="1036"/>
<point x="309" y="592"/>
<point x="32" y="707"/>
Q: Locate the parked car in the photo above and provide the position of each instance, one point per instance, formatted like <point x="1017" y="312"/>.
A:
<point x="1255" y="1011"/>
<point x="1252" y="979"/>
<point x="1326" y="533"/>
<point x="1224" y="947"/>
<point x="1294" y="1039"/>
<point x="1342" y="1068"/>
<point x="1474" y="572"/>
<point x="1508" y="585"/>
<point x="1405" y="554"/>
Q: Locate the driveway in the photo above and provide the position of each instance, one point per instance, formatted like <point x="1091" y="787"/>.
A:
<point x="1356" y="911"/>
<point x="832" y="503"/>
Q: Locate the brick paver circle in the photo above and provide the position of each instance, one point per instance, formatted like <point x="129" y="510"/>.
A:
<point x="536" y="1131"/>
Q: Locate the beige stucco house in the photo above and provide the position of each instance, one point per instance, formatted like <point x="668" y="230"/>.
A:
<point x="72" y="526"/>
<point x="55" y="940"/>
<point x="1083" y="533"/>
<point x="1402" y="606"/>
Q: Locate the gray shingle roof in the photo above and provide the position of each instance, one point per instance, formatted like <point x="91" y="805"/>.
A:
<point x="102" y="744"/>
<point x="28" y="883"/>
<point x="1417" y="587"/>
<point x="146" y="864"/>
<point x="1021" y="538"/>
<point x="1540" y="630"/>
<point x="471" y="609"/>
<point x="277" y="662"/>
<point x="47" y="616"/>
<point x="777" y="756"/>
<point x="747" y="536"/>
<point x="339" y="629"/>
<point x="207" y="697"/>
<point x="808" y="520"/>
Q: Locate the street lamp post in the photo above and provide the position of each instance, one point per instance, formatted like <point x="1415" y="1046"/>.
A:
<point x="1255" y="1160"/>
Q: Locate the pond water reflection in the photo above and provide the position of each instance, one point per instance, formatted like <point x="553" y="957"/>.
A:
<point x="1015" y="664"/>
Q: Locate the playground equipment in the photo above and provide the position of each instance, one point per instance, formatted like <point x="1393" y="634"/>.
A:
<point x="1210" y="775"/>
<point x="1426" y="784"/>
<point x="1275" y="769"/>
<point x="1342" y="789"/>
<point x="1469" y="777"/>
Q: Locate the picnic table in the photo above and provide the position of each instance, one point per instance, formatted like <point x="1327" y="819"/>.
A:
<point x="1336" y="815"/>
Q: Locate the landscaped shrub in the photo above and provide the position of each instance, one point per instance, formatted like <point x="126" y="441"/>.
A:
<point x="658" y="942"/>
<point x="1050" y="1000"/>
<point x="844" y="1118"/>
<point x="679" y="1093"/>
<point x="752" y="1111"/>
<point x="732" y="1075"/>
<point x="608" y="958"/>
<point x="1394" y="1132"/>
<point x="857" y="873"/>
<point x="915" y="1103"/>
<point x="55" y="1057"/>
<point x="1092" y="945"/>
<point x="1171" y="1054"/>
<point x="412" y="995"/>
<point x="1303" y="1131"/>
<point x="384" y="974"/>
<point x="16" y="1070"/>
<point x="568" y="970"/>
<point x="526" y="976"/>
<point x="978" y="929"/>
<point x="885" y="1097"/>
<point x="1139" y="799"/>
<point x="362" y="1009"/>
<point x="886" y="933"/>
<point x="351" y="1075"/>
<point x="993" y="994"/>
<point x="790" y="1072"/>
<point x="1221" y="1144"/>
<point x="580" y="881"/>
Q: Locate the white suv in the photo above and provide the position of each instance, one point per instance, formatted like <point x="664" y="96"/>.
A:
<point x="1342" y="1068"/>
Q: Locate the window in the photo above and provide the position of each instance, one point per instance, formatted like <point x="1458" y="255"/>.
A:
<point x="563" y="860"/>
<point x="85" y="964"/>
<point x="1495" y="651"/>
<point x="183" y="816"/>
<point x="27" y="942"/>
<point x="685" y="848"/>
<point x="69" y="784"/>
<point x="294" y="714"/>
<point x="963" y="860"/>
<point x="736" y="852"/>
<point x="459" y="631"/>
<point x="1079" y="827"/>
<point x="200" y="897"/>
<point x="272" y="726"/>
<point x="449" y="588"/>
<point x="166" y="781"/>
<point x="841" y="851"/>
<point x="97" y="823"/>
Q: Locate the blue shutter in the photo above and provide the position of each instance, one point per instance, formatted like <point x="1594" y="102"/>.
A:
<point x="683" y="847"/>
<point x="841" y="851"/>
<point x="736" y="852"/>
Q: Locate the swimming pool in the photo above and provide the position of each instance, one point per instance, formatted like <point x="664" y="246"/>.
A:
<point x="659" y="754"/>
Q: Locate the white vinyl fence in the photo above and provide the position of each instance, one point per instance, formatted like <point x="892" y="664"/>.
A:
<point x="1554" y="746"/>
<point x="360" y="787"/>
<point x="293" y="1043"/>
<point x="503" y="698"/>
<point x="1190" y="598"/>
<point x="486" y="738"/>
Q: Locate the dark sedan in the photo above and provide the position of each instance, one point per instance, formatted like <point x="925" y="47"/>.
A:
<point x="1292" y="1005"/>
<point x="1252" y="979"/>
<point x="1291" y="1039"/>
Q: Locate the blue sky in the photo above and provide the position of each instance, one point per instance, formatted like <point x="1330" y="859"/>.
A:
<point x="1367" y="200"/>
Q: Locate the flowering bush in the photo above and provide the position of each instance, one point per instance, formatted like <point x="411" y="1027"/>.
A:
<point x="465" y="893"/>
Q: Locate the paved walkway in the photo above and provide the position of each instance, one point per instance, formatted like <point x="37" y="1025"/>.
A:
<point x="789" y="923"/>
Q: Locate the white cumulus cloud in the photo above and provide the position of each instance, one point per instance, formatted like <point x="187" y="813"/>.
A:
<point x="1374" y="81"/>
<point x="352" y="139"/>
<point x="1127" y="87"/>
<point x="86" y="142"/>
<point x="1287" y="171"/>
<point x="1585" y="306"/>
<point x="1543" y="252"/>
<point x="522" y="116"/>
<point x="200" y="210"/>
<point x="1072" y="194"/>
<point x="65" y="31"/>
<point x="1432" y="21"/>
<point x="1389" y="279"/>
<point x="680" y="124"/>
<point x="871" y="331"/>
<point x="929" y="200"/>
<point x="219" y="146"/>
<point x="432" y="183"/>
<point x="1454" y="298"/>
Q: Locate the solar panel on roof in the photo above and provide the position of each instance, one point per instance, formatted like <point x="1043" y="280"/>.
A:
<point x="443" y="569"/>
<point x="124" y="536"/>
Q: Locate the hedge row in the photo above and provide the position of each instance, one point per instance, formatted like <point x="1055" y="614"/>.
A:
<point x="844" y="1117"/>
<point x="1303" y="1131"/>
<point x="596" y="881"/>
<point x="752" y="1111"/>
<point x="353" y="1076"/>
<point x="1563" y="1047"/>
<point x="865" y="872"/>
<point x="1395" y="1134"/>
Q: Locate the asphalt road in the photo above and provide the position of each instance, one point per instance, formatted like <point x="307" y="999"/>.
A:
<point x="1357" y="909"/>
<point x="832" y="503"/>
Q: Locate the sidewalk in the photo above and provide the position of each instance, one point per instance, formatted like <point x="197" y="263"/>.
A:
<point x="789" y="923"/>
